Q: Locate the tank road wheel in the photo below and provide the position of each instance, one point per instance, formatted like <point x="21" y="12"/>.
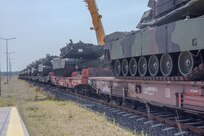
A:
<point x="185" y="63"/>
<point x="142" y="66"/>
<point x="125" y="67"/>
<point x="153" y="65"/>
<point x="166" y="65"/>
<point x="117" y="68"/>
<point x="133" y="67"/>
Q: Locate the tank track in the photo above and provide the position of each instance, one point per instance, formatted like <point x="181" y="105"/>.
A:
<point x="197" y="74"/>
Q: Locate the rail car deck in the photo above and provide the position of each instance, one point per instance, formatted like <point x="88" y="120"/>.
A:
<point x="176" y="94"/>
<point x="69" y="82"/>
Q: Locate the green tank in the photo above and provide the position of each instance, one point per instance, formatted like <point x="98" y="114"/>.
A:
<point x="81" y="50"/>
<point x="169" y="42"/>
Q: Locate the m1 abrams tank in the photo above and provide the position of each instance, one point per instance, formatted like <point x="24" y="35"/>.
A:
<point x="169" y="43"/>
<point x="167" y="11"/>
<point x="40" y="67"/>
<point x="81" y="50"/>
<point x="45" y="65"/>
<point x="65" y="67"/>
<point x="44" y="70"/>
<point x="75" y="57"/>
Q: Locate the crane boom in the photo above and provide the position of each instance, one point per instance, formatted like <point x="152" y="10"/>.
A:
<point x="96" y="21"/>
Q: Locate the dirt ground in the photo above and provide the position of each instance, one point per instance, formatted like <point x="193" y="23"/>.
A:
<point x="46" y="117"/>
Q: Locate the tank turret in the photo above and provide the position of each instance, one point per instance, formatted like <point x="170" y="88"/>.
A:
<point x="81" y="50"/>
<point x="75" y="57"/>
<point x="166" y="11"/>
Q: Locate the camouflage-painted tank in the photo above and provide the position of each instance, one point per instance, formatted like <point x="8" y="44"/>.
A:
<point x="166" y="11"/>
<point x="170" y="41"/>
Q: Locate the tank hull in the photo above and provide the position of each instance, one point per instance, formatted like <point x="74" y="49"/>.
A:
<point x="172" y="49"/>
<point x="183" y="35"/>
<point x="65" y="67"/>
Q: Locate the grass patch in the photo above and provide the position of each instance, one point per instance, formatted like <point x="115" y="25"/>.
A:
<point x="7" y="102"/>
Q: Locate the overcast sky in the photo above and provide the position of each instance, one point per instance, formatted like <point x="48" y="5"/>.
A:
<point x="44" y="26"/>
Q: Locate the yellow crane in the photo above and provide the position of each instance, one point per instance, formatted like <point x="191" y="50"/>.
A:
<point x="96" y="21"/>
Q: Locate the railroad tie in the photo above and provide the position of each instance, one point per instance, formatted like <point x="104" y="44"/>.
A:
<point x="135" y="116"/>
<point x="120" y="113"/>
<point x="160" y="113"/>
<point x="181" y="133"/>
<point x="111" y="110"/>
<point x="168" y="115"/>
<point x="125" y="115"/>
<point x="168" y="128"/>
<point x="106" y="108"/>
<point x="116" y="111"/>
<point x="148" y="122"/>
<point x="170" y="118"/>
<point x="202" y="127"/>
<point x="157" y="125"/>
<point x="102" y="106"/>
<point x="194" y="123"/>
<point x="153" y="112"/>
<point x="184" y="120"/>
<point x="140" y="119"/>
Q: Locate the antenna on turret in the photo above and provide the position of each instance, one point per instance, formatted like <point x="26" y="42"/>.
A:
<point x="187" y="17"/>
<point x="71" y="41"/>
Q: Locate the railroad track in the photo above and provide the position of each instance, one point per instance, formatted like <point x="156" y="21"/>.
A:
<point x="156" y="118"/>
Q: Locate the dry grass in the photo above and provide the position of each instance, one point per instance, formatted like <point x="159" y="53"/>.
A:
<point x="44" y="117"/>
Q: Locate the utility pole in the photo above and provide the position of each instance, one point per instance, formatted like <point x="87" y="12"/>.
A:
<point x="10" y="66"/>
<point x="0" y="76"/>
<point x="7" y="61"/>
<point x="10" y="73"/>
<point x="0" y="80"/>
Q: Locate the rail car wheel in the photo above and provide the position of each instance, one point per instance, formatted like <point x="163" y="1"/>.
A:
<point x="166" y="65"/>
<point x="185" y="63"/>
<point x="142" y="66"/>
<point x="119" y="101"/>
<point x="117" y="68"/>
<point x="106" y="98"/>
<point x="153" y="65"/>
<point x="125" y="67"/>
<point x="133" y="105"/>
<point x="133" y="67"/>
